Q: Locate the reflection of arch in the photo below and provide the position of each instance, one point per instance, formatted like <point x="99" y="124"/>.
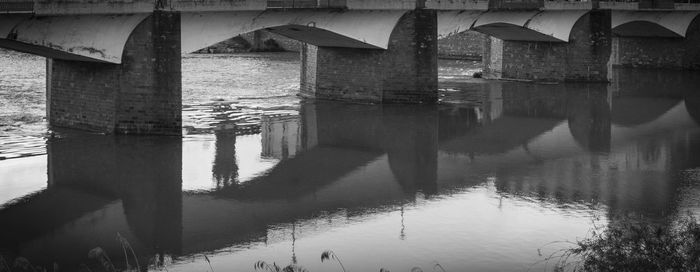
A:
<point x="354" y="29"/>
<point x="411" y="143"/>
<point x="589" y="115"/>
<point x="634" y="111"/>
<point x="542" y="26"/>
<point x="81" y="37"/>
<point x="671" y="24"/>
<point x="87" y="175"/>
<point x="692" y="105"/>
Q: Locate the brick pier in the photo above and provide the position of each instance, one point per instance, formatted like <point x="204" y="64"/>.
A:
<point x="404" y="73"/>
<point x="584" y="58"/>
<point x="140" y="96"/>
<point x="657" y="52"/>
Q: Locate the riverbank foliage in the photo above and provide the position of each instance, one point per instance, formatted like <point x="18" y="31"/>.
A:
<point x="636" y="245"/>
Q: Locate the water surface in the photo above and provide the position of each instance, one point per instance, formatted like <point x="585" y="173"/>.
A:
<point x="481" y="182"/>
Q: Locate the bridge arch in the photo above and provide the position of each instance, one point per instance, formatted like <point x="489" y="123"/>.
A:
<point x="102" y="38"/>
<point x="352" y="29"/>
<point x="537" y="26"/>
<point x="668" y="24"/>
<point x="96" y="38"/>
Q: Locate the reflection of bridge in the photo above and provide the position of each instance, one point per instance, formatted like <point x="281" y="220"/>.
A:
<point x="115" y="66"/>
<point x="362" y="157"/>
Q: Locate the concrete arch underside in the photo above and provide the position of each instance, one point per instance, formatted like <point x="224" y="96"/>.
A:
<point x="96" y="38"/>
<point x="351" y="29"/>
<point x="102" y="38"/>
<point x="536" y="26"/>
<point x="666" y="24"/>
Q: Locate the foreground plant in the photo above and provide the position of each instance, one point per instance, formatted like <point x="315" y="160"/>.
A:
<point x="325" y="256"/>
<point x="633" y="245"/>
<point x="263" y="266"/>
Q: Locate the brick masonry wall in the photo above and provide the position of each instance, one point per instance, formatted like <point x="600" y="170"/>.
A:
<point x="584" y="58"/>
<point x="140" y="96"/>
<point x="668" y="53"/>
<point x="465" y="45"/>
<point x="82" y="95"/>
<point x="493" y="57"/>
<point x="404" y="73"/>
<point x="309" y="56"/>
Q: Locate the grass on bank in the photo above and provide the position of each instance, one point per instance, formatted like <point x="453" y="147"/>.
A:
<point x="634" y="245"/>
<point x="624" y="245"/>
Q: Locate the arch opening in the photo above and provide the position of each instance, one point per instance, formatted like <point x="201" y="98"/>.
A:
<point x="672" y="24"/>
<point x="353" y="29"/>
<point x="644" y="29"/>
<point x="536" y="26"/>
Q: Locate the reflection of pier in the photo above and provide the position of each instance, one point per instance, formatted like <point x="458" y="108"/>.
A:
<point x="100" y="186"/>
<point x="592" y="147"/>
<point x="561" y="145"/>
<point x="280" y="136"/>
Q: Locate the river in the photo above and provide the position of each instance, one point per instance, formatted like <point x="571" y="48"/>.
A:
<point x="494" y="178"/>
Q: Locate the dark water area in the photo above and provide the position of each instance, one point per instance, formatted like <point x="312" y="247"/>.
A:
<point x="480" y="182"/>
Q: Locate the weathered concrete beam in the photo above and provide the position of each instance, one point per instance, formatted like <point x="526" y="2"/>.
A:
<point x="73" y="7"/>
<point x="457" y="5"/>
<point x="384" y="4"/>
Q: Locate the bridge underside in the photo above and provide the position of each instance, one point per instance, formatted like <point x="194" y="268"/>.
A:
<point x="348" y="29"/>
<point x="534" y="26"/>
<point x="567" y="46"/>
<point x="656" y="39"/>
<point x="550" y="45"/>
<point x="406" y="72"/>
<point x="122" y="73"/>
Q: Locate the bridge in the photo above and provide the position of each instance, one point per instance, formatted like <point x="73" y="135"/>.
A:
<point x="114" y="66"/>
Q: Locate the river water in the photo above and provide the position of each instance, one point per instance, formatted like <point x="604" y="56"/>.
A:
<point x="493" y="178"/>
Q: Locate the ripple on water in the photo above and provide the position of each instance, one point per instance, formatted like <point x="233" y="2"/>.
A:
<point x="21" y="146"/>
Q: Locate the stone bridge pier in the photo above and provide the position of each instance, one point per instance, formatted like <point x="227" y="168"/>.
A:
<point x="576" y="47"/>
<point x="667" y="39"/>
<point x="140" y="95"/>
<point x="405" y="72"/>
